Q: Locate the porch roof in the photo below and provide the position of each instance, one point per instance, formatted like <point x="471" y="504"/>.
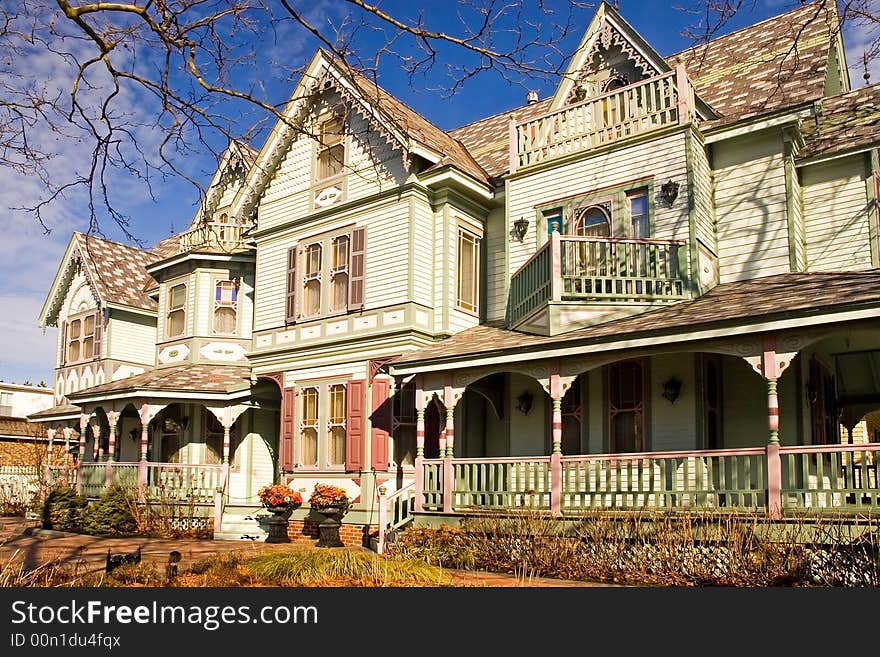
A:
<point x="64" y="412"/>
<point x="742" y="303"/>
<point x="19" y="428"/>
<point x="191" y="381"/>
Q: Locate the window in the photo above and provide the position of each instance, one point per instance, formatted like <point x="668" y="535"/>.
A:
<point x="342" y="268"/>
<point x="467" y="294"/>
<point x="225" y="307"/>
<point x="339" y="274"/>
<point x="176" y="315"/>
<point x="593" y="221"/>
<point x="331" y="148"/>
<point x="336" y="426"/>
<point x="309" y="427"/>
<point x="312" y="281"/>
<point x="5" y="403"/>
<point x="626" y="406"/>
<point x="82" y="337"/>
<point x="639" y="225"/>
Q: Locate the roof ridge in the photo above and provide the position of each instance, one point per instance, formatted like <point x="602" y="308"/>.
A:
<point x="802" y="7"/>
<point x="114" y="242"/>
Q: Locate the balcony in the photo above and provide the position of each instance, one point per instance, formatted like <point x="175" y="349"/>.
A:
<point x="603" y="276"/>
<point x="637" y="109"/>
<point x="214" y="236"/>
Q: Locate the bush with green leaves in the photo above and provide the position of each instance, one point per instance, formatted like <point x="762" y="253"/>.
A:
<point x="111" y="514"/>
<point x="63" y="510"/>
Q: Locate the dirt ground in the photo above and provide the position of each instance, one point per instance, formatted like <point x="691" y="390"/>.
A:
<point x="22" y="540"/>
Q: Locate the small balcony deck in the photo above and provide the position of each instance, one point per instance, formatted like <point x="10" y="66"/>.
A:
<point x="599" y="270"/>
<point x="646" y="106"/>
<point x="214" y="236"/>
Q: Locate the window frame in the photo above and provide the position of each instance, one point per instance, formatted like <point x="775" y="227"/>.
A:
<point x="80" y="317"/>
<point x="643" y="408"/>
<point x="323" y="424"/>
<point x="614" y="200"/>
<point x="463" y="232"/>
<point x="319" y="184"/>
<point x="327" y="273"/>
<point x="217" y="304"/>
<point x="182" y="308"/>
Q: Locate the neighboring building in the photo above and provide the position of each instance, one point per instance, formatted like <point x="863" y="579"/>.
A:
<point x="22" y="443"/>
<point x="630" y="293"/>
<point x="21" y="399"/>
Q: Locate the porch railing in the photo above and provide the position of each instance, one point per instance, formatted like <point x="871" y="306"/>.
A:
<point x="172" y="482"/>
<point x="573" y="268"/>
<point x="773" y="480"/>
<point x="636" y="109"/>
<point x="213" y="234"/>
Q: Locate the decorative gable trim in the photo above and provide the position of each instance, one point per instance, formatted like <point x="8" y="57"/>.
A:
<point x="607" y="29"/>
<point x="72" y="260"/>
<point x="322" y="73"/>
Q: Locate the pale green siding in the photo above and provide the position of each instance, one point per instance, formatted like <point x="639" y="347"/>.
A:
<point x="672" y="426"/>
<point x="422" y="249"/>
<point x="130" y="337"/>
<point x="660" y="159"/>
<point x="836" y="215"/>
<point x="703" y="198"/>
<point x="797" y="232"/>
<point x="750" y="206"/>
<point x="496" y="265"/>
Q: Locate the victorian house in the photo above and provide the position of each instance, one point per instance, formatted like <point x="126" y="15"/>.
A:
<point x="656" y="288"/>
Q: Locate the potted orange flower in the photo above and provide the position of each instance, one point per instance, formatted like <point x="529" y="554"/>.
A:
<point x="281" y="500"/>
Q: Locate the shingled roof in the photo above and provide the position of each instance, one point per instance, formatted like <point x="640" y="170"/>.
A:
<point x="729" y="304"/>
<point x="776" y="63"/>
<point x="117" y="270"/>
<point x="212" y="379"/>
<point x="767" y="66"/>
<point x="848" y="122"/>
<point x="413" y="124"/>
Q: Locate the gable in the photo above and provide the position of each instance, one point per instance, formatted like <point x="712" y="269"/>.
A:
<point x="610" y="54"/>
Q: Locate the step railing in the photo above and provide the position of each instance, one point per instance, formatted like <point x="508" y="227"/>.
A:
<point x="639" y="108"/>
<point x="395" y="512"/>
<point x="531" y="285"/>
<point x="773" y="480"/>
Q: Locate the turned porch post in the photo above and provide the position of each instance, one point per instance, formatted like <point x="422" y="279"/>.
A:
<point x="83" y="427"/>
<point x="96" y="438"/>
<point x="113" y="420"/>
<point x="420" y="443"/>
<point x="66" y="431"/>
<point x="556" y="454"/>
<point x="447" y="454"/>
<point x="771" y="370"/>
<point x="50" y="434"/>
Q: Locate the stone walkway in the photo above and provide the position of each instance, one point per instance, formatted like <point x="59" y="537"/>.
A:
<point x="22" y="540"/>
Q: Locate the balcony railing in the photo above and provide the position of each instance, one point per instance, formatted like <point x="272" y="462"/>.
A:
<point x="572" y="268"/>
<point x="213" y="235"/>
<point x="639" y="108"/>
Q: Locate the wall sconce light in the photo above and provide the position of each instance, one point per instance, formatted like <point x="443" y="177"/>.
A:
<point x="524" y="402"/>
<point x="671" y="389"/>
<point x="669" y="191"/>
<point x="520" y="226"/>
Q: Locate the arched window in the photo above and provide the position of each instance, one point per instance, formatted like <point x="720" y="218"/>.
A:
<point x="593" y="221"/>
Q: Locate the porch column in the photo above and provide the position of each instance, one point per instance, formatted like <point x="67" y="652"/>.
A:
<point x="420" y="445"/>
<point x="113" y="420"/>
<point x="448" y="470"/>
<point x="83" y="427"/>
<point x="96" y="438"/>
<point x="556" y="435"/>
<point x="50" y="434"/>
<point x="66" y="431"/>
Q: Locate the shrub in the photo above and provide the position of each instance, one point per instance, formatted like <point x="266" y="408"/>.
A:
<point x="110" y="515"/>
<point x="445" y="546"/>
<point x="63" y="510"/>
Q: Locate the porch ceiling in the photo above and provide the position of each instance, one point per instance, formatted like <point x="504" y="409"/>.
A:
<point x="744" y="303"/>
<point x="191" y="381"/>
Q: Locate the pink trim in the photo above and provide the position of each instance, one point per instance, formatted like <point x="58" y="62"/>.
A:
<point x="528" y="459"/>
<point x="628" y="456"/>
<point x="447" y="485"/>
<point x="618" y="240"/>
<point x="768" y="360"/>
<point x="683" y="91"/>
<point x="828" y="449"/>
<point x="774" y="482"/>
<point x="556" y="484"/>
<point x="555" y="267"/>
<point x="420" y="483"/>
<point x="512" y="146"/>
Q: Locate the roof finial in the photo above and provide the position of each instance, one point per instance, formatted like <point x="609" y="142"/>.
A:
<point x="867" y="74"/>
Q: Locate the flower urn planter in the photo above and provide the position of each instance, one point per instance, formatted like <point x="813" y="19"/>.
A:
<point x="328" y="529"/>
<point x="278" y="524"/>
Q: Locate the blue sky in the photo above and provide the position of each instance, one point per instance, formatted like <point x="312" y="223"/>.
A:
<point x="29" y="257"/>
